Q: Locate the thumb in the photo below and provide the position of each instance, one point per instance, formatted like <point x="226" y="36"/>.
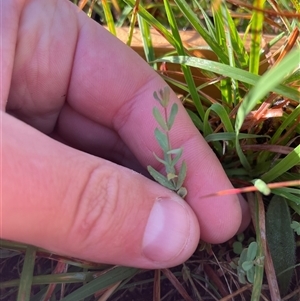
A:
<point x="74" y="204"/>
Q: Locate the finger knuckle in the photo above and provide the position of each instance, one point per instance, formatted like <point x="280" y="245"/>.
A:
<point x="97" y="205"/>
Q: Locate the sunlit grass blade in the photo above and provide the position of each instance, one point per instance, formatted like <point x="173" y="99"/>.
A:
<point x="236" y="73"/>
<point x="181" y="51"/>
<point x="219" y="27"/>
<point x="296" y="5"/>
<point x="242" y="57"/>
<point x="224" y="40"/>
<point x="124" y="15"/>
<point x="196" y="23"/>
<point x="136" y="8"/>
<point x="147" y="41"/>
<point x="209" y="25"/>
<point x="27" y="274"/>
<point x="267" y="83"/>
<point x="256" y="35"/>
<point x="109" y="17"/>
<point x="285" y="164"/>
<point x="153" y="22"/>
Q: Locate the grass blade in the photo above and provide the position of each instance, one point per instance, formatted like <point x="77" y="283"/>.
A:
<point x="147" y="41"/>
<point x="27" y="274"/>
<point x="259" y="222"/>
<point x="196" y="23"/>
<point x="108" y="17"/>
<point x="230" y="136"/>
<point x="236" y="73"/>
<point x="291" y="160"/>
<point x="181" y="51"/>
<point x="267" y="83"/>
<point x="109" y="278"/>
<point x="256" y="30"/>
<point x="153" y="22"/>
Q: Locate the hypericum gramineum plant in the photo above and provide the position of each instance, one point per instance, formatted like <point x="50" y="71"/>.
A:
<point x="172" y="180"/>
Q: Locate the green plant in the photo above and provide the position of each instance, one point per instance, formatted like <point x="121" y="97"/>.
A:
<point x="296" y="227"/>
<point x="238" y="245"/>
<point x="173" y="179"/>
<point x="281" y="241"/>
<point x="247" y="262"/>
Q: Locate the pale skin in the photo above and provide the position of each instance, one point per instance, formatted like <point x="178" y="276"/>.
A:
<point x="74" y="100"/>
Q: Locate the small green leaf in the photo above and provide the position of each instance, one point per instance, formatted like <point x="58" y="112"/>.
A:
<point x="237" y="247"/>
<point x="181" y="175"/>
<point x="160" y="160"/>
<point x="250" y="275"/>
<point x="157" y="97"/>
<point x="175" y="151"/>
<point x="247" y="265"/>
<point x="240" y="237"/>
<point x="165" y="96"/>
<point x="252" y="251"/>
<point x="162" y="139"/>
<point x="161" y="179"/>
<point x="27" y="274"/>
<point x="241" y="274"/>
<point x="173" y="113"/>
<point x="160" y="120"/>
<point x="243" y="257"/>
<point x="178" y="153"/>
<point x="296" y="227"/>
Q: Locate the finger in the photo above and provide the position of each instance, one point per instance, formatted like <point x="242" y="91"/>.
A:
<point x="78" y="205"/>
<point x="84" y="134"/>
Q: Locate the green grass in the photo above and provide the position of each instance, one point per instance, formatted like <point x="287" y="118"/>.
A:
<point x="240" y="120"/>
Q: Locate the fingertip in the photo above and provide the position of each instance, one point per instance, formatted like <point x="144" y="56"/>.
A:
<point x="221" y="220"/>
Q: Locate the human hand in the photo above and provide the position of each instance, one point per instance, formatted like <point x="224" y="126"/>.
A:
<point x="74" y="100"/>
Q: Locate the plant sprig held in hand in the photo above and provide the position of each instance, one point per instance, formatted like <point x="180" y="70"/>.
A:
<point x="172" y="180"/>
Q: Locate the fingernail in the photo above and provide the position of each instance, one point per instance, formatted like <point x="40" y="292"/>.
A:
<point x="168" y="230"/>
